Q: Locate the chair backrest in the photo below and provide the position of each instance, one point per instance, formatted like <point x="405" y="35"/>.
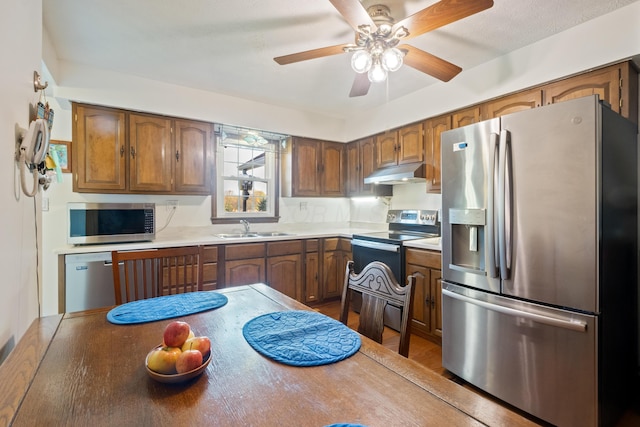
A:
<point x="379" y="287"/>
<point x="156" y="272"/>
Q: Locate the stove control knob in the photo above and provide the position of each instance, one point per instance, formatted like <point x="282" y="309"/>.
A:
<point x="391" y="217"/>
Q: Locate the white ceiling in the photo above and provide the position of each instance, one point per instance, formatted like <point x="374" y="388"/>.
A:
<point x="228" y="46"/>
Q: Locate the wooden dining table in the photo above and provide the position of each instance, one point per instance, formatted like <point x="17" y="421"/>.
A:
<point x="79" y="369"/>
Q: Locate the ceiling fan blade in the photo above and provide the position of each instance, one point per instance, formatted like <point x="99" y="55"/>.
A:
<point x="360" y="86"/>
<point x="442" y="13"/>
<point x="429" y="64"/>
<point x="310" y="54"/>
<point x="354" y="13"/>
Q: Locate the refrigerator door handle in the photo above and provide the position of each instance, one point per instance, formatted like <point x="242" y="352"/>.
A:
<point x="574" y="325"/>
<point x="503" y="193"/>
<point x="492" y="248"/>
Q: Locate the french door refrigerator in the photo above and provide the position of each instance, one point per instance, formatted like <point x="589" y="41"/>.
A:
<point x="539" y="259"/>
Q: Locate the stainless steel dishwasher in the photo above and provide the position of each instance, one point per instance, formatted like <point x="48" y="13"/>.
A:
<point x="88" y="281"/>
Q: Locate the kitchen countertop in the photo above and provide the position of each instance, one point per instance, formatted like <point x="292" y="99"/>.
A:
<point x="432" y="243"/>
<point x="184" y="236"/>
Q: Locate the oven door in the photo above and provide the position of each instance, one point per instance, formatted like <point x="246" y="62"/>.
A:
<point x="366" y="251"/>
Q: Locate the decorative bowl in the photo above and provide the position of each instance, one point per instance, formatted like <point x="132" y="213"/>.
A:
<point x="176" y="378"/>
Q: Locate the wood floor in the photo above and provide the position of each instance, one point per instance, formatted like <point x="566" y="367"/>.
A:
<point x="429" y="354"/>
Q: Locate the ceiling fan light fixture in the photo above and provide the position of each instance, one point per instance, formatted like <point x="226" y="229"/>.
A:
<point x="377" y="73"/>
<point x="361" y="61"/>
<point x="392" y="59"/>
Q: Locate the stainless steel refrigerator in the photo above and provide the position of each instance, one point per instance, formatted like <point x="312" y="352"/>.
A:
<point x="539" y="259"/>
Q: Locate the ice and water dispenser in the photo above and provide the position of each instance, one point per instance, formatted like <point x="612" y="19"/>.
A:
<point x="468" y="232"/>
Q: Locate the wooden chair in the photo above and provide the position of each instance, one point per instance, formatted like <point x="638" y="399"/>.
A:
<point x="156" y="272"/>
<point x="379" y="288"/>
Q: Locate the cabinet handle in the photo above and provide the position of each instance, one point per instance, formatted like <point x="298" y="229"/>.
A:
<point x="122" y="151"/>
<point x="177" y="156"/>
<point x="133" y="152"/>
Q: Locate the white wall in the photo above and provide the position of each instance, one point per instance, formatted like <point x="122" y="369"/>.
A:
<point x="20" y="56"/>
<point x="608" y="39"/>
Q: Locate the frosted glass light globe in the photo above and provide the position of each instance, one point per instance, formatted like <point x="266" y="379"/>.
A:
<point x="377" y="73"/>
<point x="361" y="61"/>
<point x="392" y="59"/>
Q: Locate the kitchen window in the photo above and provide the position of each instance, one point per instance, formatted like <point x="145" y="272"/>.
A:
<point x="247" y="175"/>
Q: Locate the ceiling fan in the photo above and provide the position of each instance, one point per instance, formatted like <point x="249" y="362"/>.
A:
<point x="377" y="48"/>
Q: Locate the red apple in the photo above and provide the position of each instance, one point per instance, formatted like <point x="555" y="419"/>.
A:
<point x="176" y="333"/>
<point x="188" y="361"/>
<point x="163" y="359"/>
<point x="202" y="344"/>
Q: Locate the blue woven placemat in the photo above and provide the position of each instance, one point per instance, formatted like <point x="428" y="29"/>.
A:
<point x="165" y="307"/>
<point x="301" y="338"/>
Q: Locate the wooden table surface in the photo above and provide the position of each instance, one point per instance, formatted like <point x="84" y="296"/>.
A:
<point x="78" y="369"/>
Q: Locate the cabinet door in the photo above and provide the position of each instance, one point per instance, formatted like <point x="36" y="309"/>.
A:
<point x="386" y="149"/>
<point x="312" y="279"/>
<point x="604" y="82"/>
<point x="333" y="175"/>
<point x="244" y="272"/>
<point x="193" y="159"/>
<point x="421" y="301"/>
<point x="99" y="149"/>
<point x="465" y="117"/>
<point x="434" y="128"/>
<point x="411" y="144"/>
<point x="210" y="268"/>
<point x="284" y="273"/>
<point x="511" y="104"/>
<point x="436" y="303"/>
<point x="150" y="154"/>
<point x="354" y="171"/>
<point x="305" y="167"/>
<point x="367" y="164"/>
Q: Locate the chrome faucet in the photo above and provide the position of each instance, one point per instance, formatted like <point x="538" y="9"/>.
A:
<point x="246" y="224"/>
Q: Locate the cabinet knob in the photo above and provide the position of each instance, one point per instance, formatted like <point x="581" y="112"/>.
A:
<point x="133" y="152"/>
<point x="177" y="156"/>
<point x="122" y="151"/>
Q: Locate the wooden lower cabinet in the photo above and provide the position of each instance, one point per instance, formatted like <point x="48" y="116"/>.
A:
<point x="285" y="267"/>
<point x="425" y="266"/>
<point x="336" y="253"/>
<point x="311" y="271"/>
<point x="244" y="264"/>
<point x="210" y="268"/>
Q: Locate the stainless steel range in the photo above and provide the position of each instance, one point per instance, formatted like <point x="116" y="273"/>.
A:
<point x="388" y="247"/>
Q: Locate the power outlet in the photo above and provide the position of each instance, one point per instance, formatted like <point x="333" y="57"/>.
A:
<point x="172" y="204"/>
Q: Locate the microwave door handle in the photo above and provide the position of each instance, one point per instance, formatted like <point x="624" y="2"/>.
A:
<point x="492" y="248"/>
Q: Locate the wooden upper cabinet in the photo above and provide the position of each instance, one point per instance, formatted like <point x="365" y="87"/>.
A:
<point x="411" y="144"/>
<point x="386" y="149"/>
<point x="513" y="103"/>
<point x="404" y="145"/>
<point x="99" y="145"/>
<point x="617" y="85"/>
<point x="306" y="167"/>
<point x="465" y="117"/>
<point x="354" y="169"/>
<point x="433" y="130"/>
<point x="333" y="176"/>
<point x="123" y="152"/>
<point x="318" y="168"/>
<point x="193" y="155"/>
<point x="150" y="153"/>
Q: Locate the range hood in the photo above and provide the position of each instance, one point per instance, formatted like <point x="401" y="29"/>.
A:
<point x="401" y="174"/>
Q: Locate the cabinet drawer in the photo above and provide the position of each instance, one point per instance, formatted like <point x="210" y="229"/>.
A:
<point x="210" y="254"/>
<point x="244" y="251"/>
<point x="425" y="258"/>
<point x="286" y="247"/>
<point x="312" y="245"/>
<point x="331" y="243"/>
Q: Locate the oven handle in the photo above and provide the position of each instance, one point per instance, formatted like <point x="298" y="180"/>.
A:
<point x="376" y="245"/>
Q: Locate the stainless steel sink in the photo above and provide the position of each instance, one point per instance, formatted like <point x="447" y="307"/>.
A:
<point x="237" y="235"/>
<point x="251" y="235"/>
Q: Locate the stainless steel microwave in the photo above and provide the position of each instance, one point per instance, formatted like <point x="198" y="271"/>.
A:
<point x="93" y="223"/>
